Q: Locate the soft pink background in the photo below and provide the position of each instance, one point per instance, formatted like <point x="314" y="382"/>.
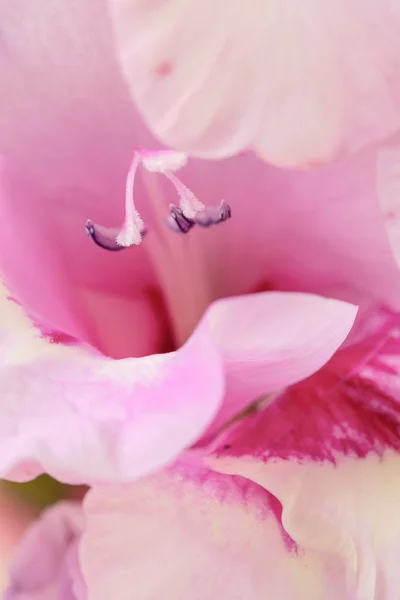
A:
<point x="14" y="517"/>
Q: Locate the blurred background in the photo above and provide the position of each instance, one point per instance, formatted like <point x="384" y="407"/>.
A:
<point x="20" y="503"/>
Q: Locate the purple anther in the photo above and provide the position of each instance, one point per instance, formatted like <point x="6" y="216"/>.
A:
<point x="212" y="215"/>
<point x="105" y="237"/>
<point x="177" y="221"/>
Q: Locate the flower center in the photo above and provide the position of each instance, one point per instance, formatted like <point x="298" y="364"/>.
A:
<point x="179" y="268"/>
<point x="181" y="219"/>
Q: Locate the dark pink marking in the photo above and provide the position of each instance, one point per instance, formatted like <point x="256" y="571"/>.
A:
<point x="341" y="410"/>
<point x="163" y="69"/>
<point x="59" y="337"/>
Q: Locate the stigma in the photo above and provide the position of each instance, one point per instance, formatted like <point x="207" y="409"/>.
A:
<point x="181" y="219"/>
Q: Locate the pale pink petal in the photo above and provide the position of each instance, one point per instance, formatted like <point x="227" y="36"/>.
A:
<point x="299" y="83"/>
<point x="82" y="417"/>
<point x="328" y="449"/>
<point x="269" y="341"/>
<point x="190" y="533"/>
<point x="348" y="510"/>
<point x="68" y="129"/>
<point x="45" y="565"/>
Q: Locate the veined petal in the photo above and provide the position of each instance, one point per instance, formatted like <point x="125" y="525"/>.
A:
<point x="83" y="417"/>
<point x="216" y="77"/>
<point x="190" y="533"/>
<point x="329" y="450"/>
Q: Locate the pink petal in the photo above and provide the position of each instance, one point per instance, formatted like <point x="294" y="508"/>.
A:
<point x="349" y="511"/>
<point x="46" y="290"/>
<point x="75" y="131"/>
<point x="328" y="449"/>
<point x="213" y="78"/>
<point x="320" y="231"/>
<point x="389" y="190"/>
<point x="82" y="417"/>
<point x="190" y="533"/>
<point x="68" y="129"/>
<point x="272" y="340"/>
<point x="46" y="565"/>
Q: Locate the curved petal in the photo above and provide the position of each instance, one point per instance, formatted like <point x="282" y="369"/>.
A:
<point x="329" y="450"/>
<point x="82" y="417"/>
<point x="46" y="562"/>
<point x="130" y="416"/>
<point x="214" y="78"/>
<point x="66" y="157"/>
<point x="269" y="341"/>
<point x="191" y="533"/>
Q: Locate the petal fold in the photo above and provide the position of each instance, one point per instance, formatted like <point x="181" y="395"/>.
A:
<point x="190" y="533"/>
<point x="82" y="417"/>
<point x="329" y="450"/>
<point x="271" y="340"/>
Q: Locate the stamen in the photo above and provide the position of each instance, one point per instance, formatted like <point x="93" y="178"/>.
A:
<point x="182" y="218"/>
<point x="131" y="232"/>
<point x="189" y="203"/>
<point x="177" y="221"/>
<point x="212" y="215"/>
<point x="105" y="237"/>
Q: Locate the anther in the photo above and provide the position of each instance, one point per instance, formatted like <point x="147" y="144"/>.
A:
<point x="177" y="221"/>
<point x="105" y="237"/>
<point x="212" y="215"/>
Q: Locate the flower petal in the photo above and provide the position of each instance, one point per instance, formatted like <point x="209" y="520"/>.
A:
<point x="31" y="270"/>
<point x="348" y="510"/>
<point x="67" y="131"/>
<point x="269" y="341"/>
<point x="320" y="231"/>
<point x="46" y="563"/>
<point x="215" y="77"/>
<point x="82" y="417"/>
<point x="130" y="416"/>
<point x="388" y="180"/>
<point x="329" y="450"/>
<point x="190" y="533"/>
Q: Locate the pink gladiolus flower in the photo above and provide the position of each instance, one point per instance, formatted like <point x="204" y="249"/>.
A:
<point x="88" y="416"/>
<point x="203" y="292"/>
